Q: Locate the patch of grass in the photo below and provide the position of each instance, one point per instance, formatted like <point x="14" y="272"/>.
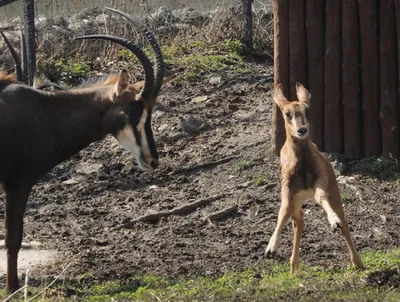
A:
<point x="242" y="165"/>
<point x="260" y="179"/>
<point x="345" y="198"/>
<point x="72" y="70"/>
<point x="199" y="57"/>
<point x="378" y="167"/>
<point x="270" y="280"/>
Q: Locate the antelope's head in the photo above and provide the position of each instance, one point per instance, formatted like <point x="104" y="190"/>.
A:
<point x="132" y="104"/>
<point x="295" y="113"/>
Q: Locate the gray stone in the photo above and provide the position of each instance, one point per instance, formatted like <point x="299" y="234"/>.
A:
<point x="60" y="21"/>
<point x="87" y="168"/>
<point x="102" y="19"/>
<point x="163" y="16"/>
<point x="193" y="125"/>
<point x="215" y="80"/>
<point x="339" y="167"/>
<point x="188" y="15"/>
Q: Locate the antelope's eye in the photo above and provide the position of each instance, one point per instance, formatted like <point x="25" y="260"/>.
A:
<point x="289" y="115"/>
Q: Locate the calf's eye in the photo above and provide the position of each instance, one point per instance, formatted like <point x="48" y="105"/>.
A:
<point x="289" y="115"/>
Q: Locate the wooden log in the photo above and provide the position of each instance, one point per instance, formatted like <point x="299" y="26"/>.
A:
<point x="371" y="138"/>
<point x="351" y="79"/>
<point x="297" y="46"/>
<point x="281" y="68"/>
<point x="315" y="66"/>
<point x="333" y="80"/>
<point x="397" y="6"/>
<point x="389" y="113"/>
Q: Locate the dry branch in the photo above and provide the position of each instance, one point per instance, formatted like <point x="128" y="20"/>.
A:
<point x="205" y="165"/>
<point x="182" y="210"/>
<point x="221" y="214"/>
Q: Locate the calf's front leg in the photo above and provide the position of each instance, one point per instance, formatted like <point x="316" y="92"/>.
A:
<point x="285" y="212"/>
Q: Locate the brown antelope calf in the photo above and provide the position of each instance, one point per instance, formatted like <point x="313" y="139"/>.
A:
<point x="306" y="173"/>
<point x="40" y="129"/>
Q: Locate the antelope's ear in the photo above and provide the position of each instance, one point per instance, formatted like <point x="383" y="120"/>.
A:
<point x="279" y="97"/>
<point x="302" y="94"/>
<point x="122" y="84"/>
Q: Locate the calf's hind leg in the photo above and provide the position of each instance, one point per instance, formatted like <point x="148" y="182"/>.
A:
<point x="334" y="209"/>
<point x="298" y="228"/>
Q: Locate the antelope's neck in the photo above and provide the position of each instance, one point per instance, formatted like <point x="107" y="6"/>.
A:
<point x="76" y="119"/>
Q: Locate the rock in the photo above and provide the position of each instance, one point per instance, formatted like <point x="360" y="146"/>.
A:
<point x="89" y="13"/>
<point x="193" y="125"/>
<point x="215" y="80"/>
<point x="188" y="15"/>
<point x="36" y="244"/>
<point x="70" y="181"/>
<point x="89" y="168"/>
<point x="41" y="22"/>
<point x="233" y="107"/>
<point x="25" y="245"/>
<point x="335" y="156"/>
<point x="199" y="99"/>
<point x="163" y="16"/>
<point x="102" y="19"/>
<point x="167" y="29"/>
<point x="339" y="167"/>
<point x="60" y="21"/>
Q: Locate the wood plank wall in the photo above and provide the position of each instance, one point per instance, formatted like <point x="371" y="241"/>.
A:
<point x="347" y="53"/>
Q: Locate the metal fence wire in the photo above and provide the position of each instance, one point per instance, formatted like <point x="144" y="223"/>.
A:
<point x="57" y="22"/>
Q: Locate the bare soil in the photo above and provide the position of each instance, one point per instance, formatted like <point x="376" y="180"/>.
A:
<point x="74" y="208"/>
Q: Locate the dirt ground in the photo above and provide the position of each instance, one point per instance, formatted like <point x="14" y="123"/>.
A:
<point x="73" y="209"/>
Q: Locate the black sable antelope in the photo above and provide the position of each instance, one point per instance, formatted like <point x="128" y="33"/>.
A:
<point x="40" y="129"/>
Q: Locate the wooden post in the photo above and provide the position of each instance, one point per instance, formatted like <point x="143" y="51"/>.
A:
<point x="368" y="15"/>
<point x="350" y="79"/>
<point x="29" y="27"/>
<point x="397" y="6"/>
<point x="281" y="68"/>
<point x="248" y="23"/>
<point x="315" y="26"/>
<point x="389" y="111"/>
<point x="333" y="79"/>
<point x="297" y="46"/>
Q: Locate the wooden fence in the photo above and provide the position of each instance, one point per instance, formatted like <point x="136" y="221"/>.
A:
<point x="347" y="53"/>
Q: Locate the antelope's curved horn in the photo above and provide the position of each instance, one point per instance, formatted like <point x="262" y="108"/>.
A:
<point x="147" y="91"/>
<point x="159" y="65"/>
<point x="17" y="62"/>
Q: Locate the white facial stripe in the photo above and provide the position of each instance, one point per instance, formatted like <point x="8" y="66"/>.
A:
<point x="1" y="188"/>
<point x="144" y="143"/>
<point x="127" y="139"/>
<point x="142" y="121"/>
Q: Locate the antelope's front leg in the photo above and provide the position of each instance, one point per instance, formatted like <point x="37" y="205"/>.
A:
<point x="283" y="216"/>
<point x="15" y="206"/>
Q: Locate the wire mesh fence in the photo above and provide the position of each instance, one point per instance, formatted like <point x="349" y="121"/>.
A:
<point x="57" y="22"/>
<point x="52" y="8"/>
